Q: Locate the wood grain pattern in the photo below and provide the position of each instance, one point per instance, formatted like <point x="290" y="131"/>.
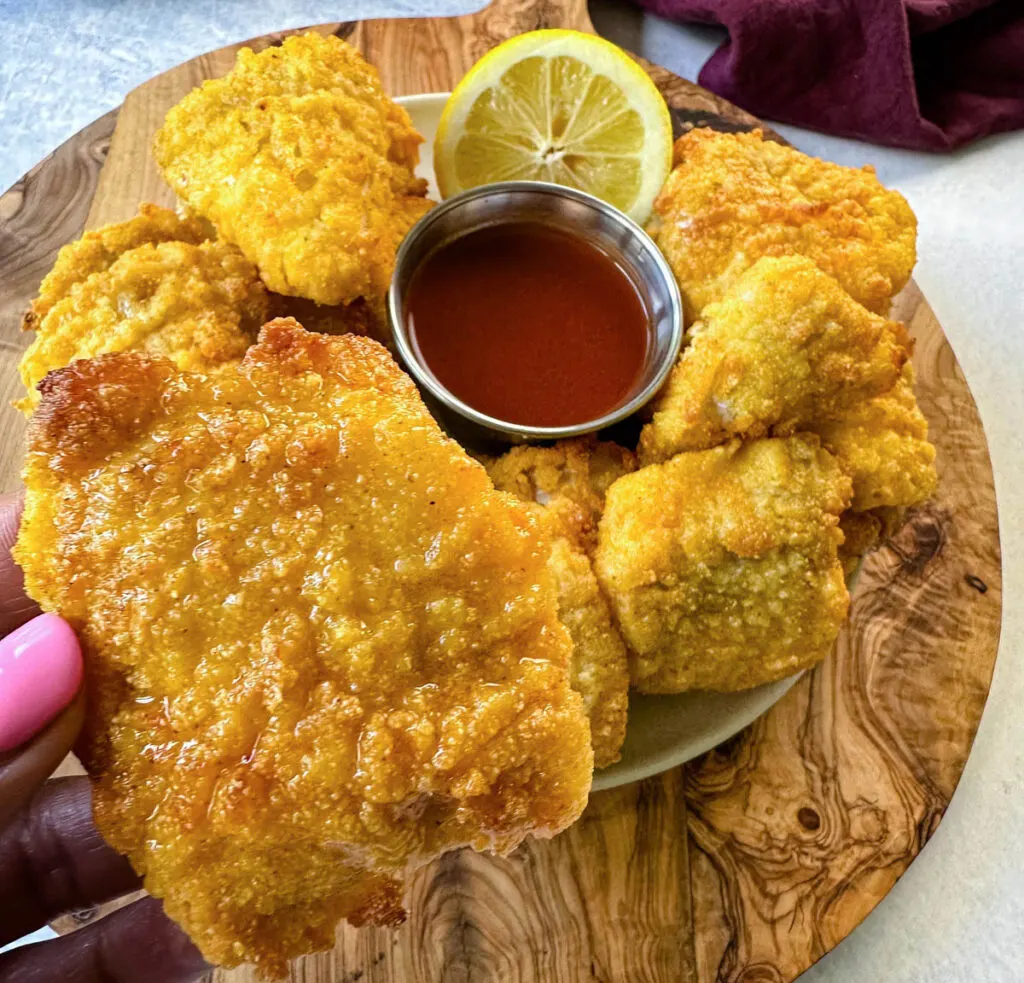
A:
<point x="751" y="863"/>
<point x="44" y="210"/>
<point x="799" y="825"/>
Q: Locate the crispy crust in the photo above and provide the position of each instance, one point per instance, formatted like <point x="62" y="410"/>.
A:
<point x="199" y="304"/>
<point x="721" y="565"/>
<point x="94" y="405"/>
<point x="785" y="348"/>
<point x="321" y="163"/>
<point x="321" y="648"/>
<point x="98" y="250"/>
<point x="571" y="479"/>
<point x="735" y="197"/>
<point x="883" y="445"/>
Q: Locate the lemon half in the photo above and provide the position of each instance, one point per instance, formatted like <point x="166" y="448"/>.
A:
<point x="557" y="106"/>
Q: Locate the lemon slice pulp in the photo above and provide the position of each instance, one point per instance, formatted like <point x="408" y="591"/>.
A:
<point x="557" y="106"/>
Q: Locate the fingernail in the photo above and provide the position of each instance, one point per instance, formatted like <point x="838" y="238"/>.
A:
<point x="40" y="672"/>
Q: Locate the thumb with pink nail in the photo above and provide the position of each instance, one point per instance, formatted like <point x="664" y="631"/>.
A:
<point x="41" y="703"/>
<point x="40" y="672"/>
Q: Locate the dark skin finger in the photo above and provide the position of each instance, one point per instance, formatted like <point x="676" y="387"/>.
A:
<point x="55" y="861"/>
<point x="135" y="943"/>
<point x="23" y="770"/>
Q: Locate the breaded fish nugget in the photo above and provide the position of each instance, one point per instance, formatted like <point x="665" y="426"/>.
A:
<point x="571" y="479"/>
<point x="198" y="305"/>
<point x="785" y="347"/>
<point x="721" y="565"/>
<point x="299" y="158"/>
<point x="882" y="444"/>
<point x="321" y="649"/>
<point x="99" y="249"/>
<point x="735" y="197"/>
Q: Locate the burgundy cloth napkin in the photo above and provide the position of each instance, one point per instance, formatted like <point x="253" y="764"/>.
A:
<point x="923" y="74"/>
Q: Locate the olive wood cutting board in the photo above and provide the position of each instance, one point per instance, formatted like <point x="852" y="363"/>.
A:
<point x="750" y="863"/>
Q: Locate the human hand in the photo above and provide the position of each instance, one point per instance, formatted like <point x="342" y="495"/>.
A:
<point x="52" y="859"/>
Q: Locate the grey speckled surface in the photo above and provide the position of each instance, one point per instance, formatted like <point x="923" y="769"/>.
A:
<point x="65" y="62"/>
<point x="958" y="914"/>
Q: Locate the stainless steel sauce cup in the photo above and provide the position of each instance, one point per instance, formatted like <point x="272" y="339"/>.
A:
<point x="579" y="214"/>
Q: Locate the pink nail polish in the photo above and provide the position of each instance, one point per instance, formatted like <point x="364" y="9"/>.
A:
<point x="40" y="672"/>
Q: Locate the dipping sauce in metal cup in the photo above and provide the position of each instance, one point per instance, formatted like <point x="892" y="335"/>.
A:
<point x="534" y="311"/>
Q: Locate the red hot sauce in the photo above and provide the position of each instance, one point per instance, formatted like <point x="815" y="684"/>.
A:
<point x="529" y="324"/>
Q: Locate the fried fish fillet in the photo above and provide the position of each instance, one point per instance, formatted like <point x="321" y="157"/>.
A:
<point x="732" y="198"/>
<point x="199" y="304"/>
<point x="786" y="346"/>
<point x="882" y="444"/>
<point x="571" y="479"/>
<point x="98" y="250"/>
<point x="321" y="648"/>
<point x="299" y="158"/>
<point x="721" y="565"/>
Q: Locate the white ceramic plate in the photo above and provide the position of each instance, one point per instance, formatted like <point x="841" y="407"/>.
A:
<point x="664" y="731"/>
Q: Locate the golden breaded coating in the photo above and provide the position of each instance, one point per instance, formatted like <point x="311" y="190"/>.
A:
<point x="785" y="347"/>
<point x="734" y="197"/>
<point x="198" y="305"/>
<point x="321" y="649"/>
<point x="882" y="444"/>
<point x="571" y="479"/>
<point x="721" y="565"/>
<point x="98" y="250"/>
<point x="299" y="158"/>
<point x="598" y="670"/>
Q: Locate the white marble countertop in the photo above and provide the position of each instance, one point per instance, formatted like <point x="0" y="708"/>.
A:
<point x="957" y="916"/>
